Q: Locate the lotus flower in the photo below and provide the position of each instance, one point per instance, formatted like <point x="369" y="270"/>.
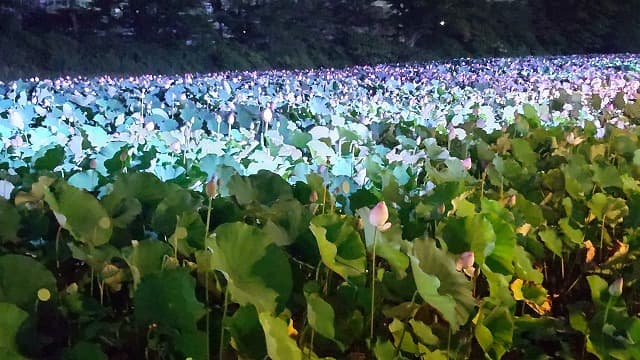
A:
<point x="574" y="140"/>
<point x="291" y="331"/>
<point x="379" y="215"/>
<point x="465" y="263"/>
<point x="211" y="188"/>
<point x="466" y="163"/>
<point x="615" y="289"/>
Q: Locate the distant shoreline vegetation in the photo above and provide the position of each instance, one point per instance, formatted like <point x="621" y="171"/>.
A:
<point x="159" y="37"/>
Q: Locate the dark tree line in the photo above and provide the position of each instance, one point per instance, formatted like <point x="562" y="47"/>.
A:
<point x="477" y="26"/>
<point x="131" y="36"/>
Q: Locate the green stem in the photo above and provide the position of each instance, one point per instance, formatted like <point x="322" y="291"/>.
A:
<point x="606" y="312"/>
<point x="602" y="230"/>
<point x="313" y="333"/>
<point x="224" y="316"/>
<point x="58" y="247"/>
<point x="373" y="284"/>
<point x="449" y="345"/>
<point x="404" y="328"/>
<point x="206" y="280"/>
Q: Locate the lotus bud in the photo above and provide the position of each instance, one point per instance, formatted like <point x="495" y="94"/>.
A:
<point x="291" y="331"/>
<point x="44" y="294"/>
<point x="123" y="156"/>
<point x="93" y="163"/>
<point x="71" y="289"/>
<point x="150" y="126"/>
<point x="267" y="115"/>
<point x="171" y="263"/>
<point x="109" y="270"/>
<point x="615" y="289"/>
<point x="466" y="163"/>
<point x="313" y="197"/>
<point x="465" y="263"/>
<point x="62" y="220"/>
<point x="175" y="146"/>
<point x="379" y="215"/>
<point x="452" y="131"/>
<point x="441" y="209"/>
<point x="511" y="200"/>
<point x="345" y="187"/>
<point x="465" y="260"/>
<point x="211" y="188"/>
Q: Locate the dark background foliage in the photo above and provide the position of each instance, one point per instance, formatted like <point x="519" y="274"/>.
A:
<point x="173" y="36"/>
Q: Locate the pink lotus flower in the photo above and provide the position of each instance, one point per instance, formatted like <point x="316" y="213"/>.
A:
<point x="379" y="215"/>
<point x="466" y="163"/>
<point x="465" y="263"/>
<point x="211" y="188"/>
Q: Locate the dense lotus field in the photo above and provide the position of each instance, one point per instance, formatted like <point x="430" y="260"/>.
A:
<point x="464" y="209"/>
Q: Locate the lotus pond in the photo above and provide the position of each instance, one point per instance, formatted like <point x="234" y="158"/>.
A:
<point x="484" y="208"/>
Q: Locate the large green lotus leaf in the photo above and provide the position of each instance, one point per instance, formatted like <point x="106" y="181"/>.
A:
<point x="279" y="344"/>
<point x="481" y="236"/>
<point x="606" y="175"/>
<point x="607" y="208"/>
<point x="189" y="233"/>
<point x="48" y="157"/>
<point x="340" y="246"/>
<point x="577" y="177"/>
<point x="531" y="116"/>
<point x="423" y="332"/>
<point x="145" y="187"/>
<point x="86" y="219"/>
<point x="96" y="257"/>
<point x="258" y="271"/>
<point x="632" y="110"/>
<point x="84" y="350"/>
<point x="401" y="338"/>
<point x="20" y="279"/>
<point x="501" y="257"/>
<point x="522" y="152"/>
<point x="124" y="212"/>
<point x="443" y="194"/>
<point x="494" y="331"/>
<point x="551" y="240"/>
<point x="633" y="220"/>
<point x="320" y="314"/>
<point x="623" y="142"/>
<point x="575" y="236"/>
<point x="284" y="220"/>
<point x="523" y="266"/>
<point x="168" y="299"/>
<point x="453" y="232"/>
<point x="446" y="289"/>
<point x="264" y="188"/>
<point x="10" y="322"/>
<point x="530" y="211"/>
<point x="192" y="345"/>
<point x="9" y="222"/>
<point x="176" y="202"/>
<point x="599" y="290"/>
<point x="85" y="180"/>
<point x="145" y="257"/>
<point x="499" y="286"/>
<point x="247" y="334"/>
<point x="427" y="286"/>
